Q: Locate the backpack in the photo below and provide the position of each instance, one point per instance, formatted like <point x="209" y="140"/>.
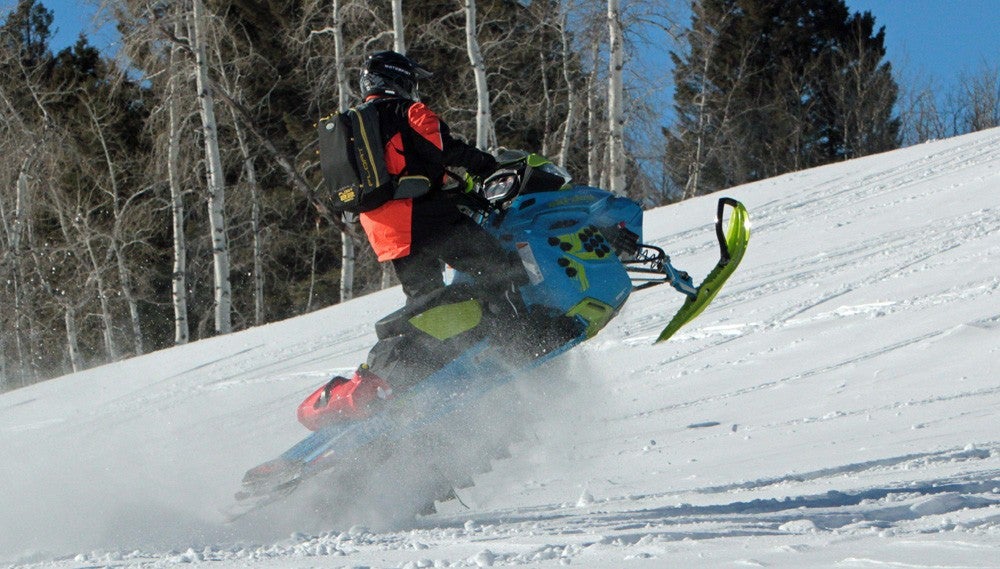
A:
<point x="352" y="158"/>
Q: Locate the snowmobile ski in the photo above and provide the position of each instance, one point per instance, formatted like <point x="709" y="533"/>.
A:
<point x="733" y="244"/>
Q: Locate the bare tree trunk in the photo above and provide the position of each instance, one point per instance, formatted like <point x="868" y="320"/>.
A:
<point x="398" y="37"/>
<point x="72" y="339"/>
<point x="179" y="278"/>
<point x="5" y="382"/>
<point x="616" y="103"/>
<point x="312" y="269"/>
<point x="694" y="176"/>
<point x="250" y="179"/>
<point x="125" y="281"/>
<point x="692" y="186"/>
<point x="250" y="171"/>
<point x="103" y="294"/>
<point x="571" y="94"/>
<point x="347" y="254"/>
<point x="4" y="369"/>
<point x="124" y="275"/>
<point x="593" y="123"/>
<point x="484" y="121"/>
<point x="348" y="261"/>
<point x="338" y="49"/>
<point x="22" y="313"/>
<point x="547" y="133"/>
<point x="386" y="281"/>
<point x="387" y="273"/>
<point x="216" y="179"/>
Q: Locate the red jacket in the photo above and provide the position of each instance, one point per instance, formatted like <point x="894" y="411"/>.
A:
<point x="417" y="143"/>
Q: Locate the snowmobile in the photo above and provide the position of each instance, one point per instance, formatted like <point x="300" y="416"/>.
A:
<point x="582" y="247"/>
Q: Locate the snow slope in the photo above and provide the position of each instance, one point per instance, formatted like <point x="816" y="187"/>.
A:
<point x="837" y="406"/>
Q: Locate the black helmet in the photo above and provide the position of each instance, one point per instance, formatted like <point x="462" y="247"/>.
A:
<point x="388" y="72"/>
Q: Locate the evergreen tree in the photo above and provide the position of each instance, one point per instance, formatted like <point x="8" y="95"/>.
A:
<point x="771" y="86"/>
<point x="26" y="31"/>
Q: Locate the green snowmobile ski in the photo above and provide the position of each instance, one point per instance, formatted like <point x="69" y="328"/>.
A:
<point x="733" y="244"/>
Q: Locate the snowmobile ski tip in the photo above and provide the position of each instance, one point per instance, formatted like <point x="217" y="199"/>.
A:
<point x="732" y="244"/>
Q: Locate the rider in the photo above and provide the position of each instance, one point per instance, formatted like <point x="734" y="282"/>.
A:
<point x="418" y="234"/>
<point x="422" y="227"/>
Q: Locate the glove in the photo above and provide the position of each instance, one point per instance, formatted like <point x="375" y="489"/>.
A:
<point x="485" y="165"/>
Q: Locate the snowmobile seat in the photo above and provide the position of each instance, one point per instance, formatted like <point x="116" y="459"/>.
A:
<point x="399" y="322"/>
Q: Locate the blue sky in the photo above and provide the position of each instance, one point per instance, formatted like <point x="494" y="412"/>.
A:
<point x="71" y="18"/>
<point x="937" y="39"/>
<point x="933" y="40"/>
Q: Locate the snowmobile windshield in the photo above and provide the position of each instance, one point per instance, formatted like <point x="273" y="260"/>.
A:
<point x="540" y="175"/>
<point x="557" y="172"/>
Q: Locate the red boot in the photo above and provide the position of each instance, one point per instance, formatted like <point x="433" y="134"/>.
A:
<point x="343" y="399"/>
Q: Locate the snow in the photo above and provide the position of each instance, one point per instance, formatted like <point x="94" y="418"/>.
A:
<point x="835" y="407"/>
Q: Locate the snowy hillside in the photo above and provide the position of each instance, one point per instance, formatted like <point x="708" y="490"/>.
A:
<point x="837" y="406"/>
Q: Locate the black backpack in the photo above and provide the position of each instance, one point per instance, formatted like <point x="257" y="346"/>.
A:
<point x="352" y="158"/>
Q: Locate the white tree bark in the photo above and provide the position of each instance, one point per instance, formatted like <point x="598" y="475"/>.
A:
<point x="179" y="278"/>
<point x="571" y="94"/>
<point x="73" y="339"/>
<point x="484" y="120"/>
<point x="691" y="188"/>
<point x="124" y="275"/>
<point x="347" y="252"/>
<point x="25" y="353"/>
<point x="616" y="104"/>
<point x="387" y="274"/>
<point x="250" y="179"/>
<point x="17" y="229"/>
<point x="103" y="293"/>
<point x="546" y="103"/>
<point x="594" y="126"/>
<point x="708" y="41"/>
<point x="312" y="270"/>
<point x="20" y="208"/>
<point x="398" y="36"/>
<point x="348" y="260"/>
<point x="250" y="173"/>
<point x="216" y="179"/>
<point x="343" y="87"/>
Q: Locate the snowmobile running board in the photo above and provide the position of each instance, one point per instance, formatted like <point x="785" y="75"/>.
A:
<point x="732" y="244"/>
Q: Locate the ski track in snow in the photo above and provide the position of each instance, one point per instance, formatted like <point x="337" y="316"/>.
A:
<point x="836" y="406"/>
